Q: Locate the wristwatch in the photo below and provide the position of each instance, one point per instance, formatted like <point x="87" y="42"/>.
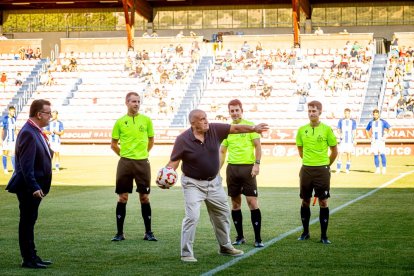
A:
<point x="257" y="162"/>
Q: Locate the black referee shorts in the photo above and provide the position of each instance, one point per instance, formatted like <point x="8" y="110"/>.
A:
<point x="316" y="179"/>
<point x="240" y="181"/>
<point x="130" y="169"/>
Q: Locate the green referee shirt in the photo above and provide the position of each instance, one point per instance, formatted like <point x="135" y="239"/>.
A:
<point x="240" y="146"/>
<point x="315" y="142"/>
<point x="133" y="134"/>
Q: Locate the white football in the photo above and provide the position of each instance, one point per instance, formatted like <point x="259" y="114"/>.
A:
<point x="166" y="178"/>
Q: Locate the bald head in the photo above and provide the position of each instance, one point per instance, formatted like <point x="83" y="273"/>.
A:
<point x="194" y="114"/>
<point x="198" y="121"/>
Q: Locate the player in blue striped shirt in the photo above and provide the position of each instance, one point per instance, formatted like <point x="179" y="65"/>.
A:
<point x="378" y="130"/>
<point x="55" y="130"/>
<point x="9" y="135"/>
<point x="347" y="132"/>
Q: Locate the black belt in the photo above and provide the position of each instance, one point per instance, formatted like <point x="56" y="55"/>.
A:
<point x="202" y="179"/>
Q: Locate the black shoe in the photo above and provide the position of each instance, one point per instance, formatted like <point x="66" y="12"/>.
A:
<point x="33" y="264"/>
<point x="118" y="237"/>
<point x="304" y="236"/>
<point x="239" y="241"/>
<point x="325" y="241"/>
<point x="43" y="262"/>
<point x="149" y="236"/>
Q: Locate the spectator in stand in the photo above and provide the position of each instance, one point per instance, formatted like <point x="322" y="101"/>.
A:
<point x="29" y="53"/>
<point x="398" y="89"/>
<point x="410" y="51"/>
<point x="172" y="106"/>
<point x="18" y="80"/>
<point x="154" y="34"/>
<point x="409" y="64"/>
<point x="292" y="77"/>
<point x="266" y="91"/>
<point x="318" y="31"/>
<point x="145" y="34"/>
<point x="50" y="79"/>
<point x="73" y="64"/>
<point x="357" y="75"/>
<point x="392" y="105"/>
<point x="399" y="75"/>
<point x="22" y="53"/>
<point x="193" y="34"/>
<point x="65" y="65"/>
<point x="37" y="54"/>
<point x="162" y="107"/>
<point x="401" y="105"/>
<point x="390" y="73"/>
<point x="164" y="77"/>
<point x="179" y="50"/>
<point x="410" y="103"/>
<point x="259" y="46"/>
<point x="43" y="78"/>
<point x="260" y="82"/>
<point x="245" y="47"/>
<point x="3" y="80"/>
<point x="180" y="34"/>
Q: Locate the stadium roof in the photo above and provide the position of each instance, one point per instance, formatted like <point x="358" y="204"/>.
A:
<point x="70" y="4"/>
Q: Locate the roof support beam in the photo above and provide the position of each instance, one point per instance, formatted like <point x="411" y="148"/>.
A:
<point x="306" y="8"/>
<point x="130" y="8"/>
<point x="143" y="8"/>
<point x="295" y="21"/>
<point x="129" y="14"/>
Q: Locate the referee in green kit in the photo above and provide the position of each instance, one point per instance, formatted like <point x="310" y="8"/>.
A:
<point x="313" y="141"/>
<point x="243" y="165"/>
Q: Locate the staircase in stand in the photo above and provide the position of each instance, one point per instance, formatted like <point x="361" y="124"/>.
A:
<point x="193" y="94"/>
<point x="374" y="90"/>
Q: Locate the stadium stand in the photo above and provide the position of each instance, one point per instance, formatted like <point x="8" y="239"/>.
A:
<point x="92" y="94"/>
<point x="275" y="84"/>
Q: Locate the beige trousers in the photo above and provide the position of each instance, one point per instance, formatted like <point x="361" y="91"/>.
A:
<point x="212" y="193"/>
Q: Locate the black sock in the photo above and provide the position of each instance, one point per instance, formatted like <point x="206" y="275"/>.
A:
<point x="146" y="215"/>
<point x="305" y="214"/>
<point x="256" y="217"/>
<point x="120" y="216"/>
<point x="324" y="220"/>
<point x="238" y="222"/>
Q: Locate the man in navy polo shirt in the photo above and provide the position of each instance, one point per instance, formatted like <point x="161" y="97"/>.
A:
<point x="198" y="148"/>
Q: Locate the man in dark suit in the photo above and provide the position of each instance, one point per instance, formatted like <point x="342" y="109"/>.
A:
<point x="32" y="178"/>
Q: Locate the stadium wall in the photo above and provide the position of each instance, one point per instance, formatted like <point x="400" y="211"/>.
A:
<point x="275" y="142"/>
<point x="275" y="150"/>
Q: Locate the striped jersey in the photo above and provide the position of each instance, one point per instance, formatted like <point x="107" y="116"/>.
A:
<point x="377" y="127"/>
<point x="57" y="126"/>
<point x="346" y="127"/>
<point x="9" y="127"/>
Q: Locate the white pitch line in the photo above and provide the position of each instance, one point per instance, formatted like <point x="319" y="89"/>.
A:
<point x="299" y="228"/>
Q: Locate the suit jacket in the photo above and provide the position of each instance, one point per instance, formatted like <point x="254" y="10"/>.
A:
<point x="33" y="168"/>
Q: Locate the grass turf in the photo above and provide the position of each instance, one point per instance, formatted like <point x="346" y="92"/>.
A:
<point x="373" y="236"/>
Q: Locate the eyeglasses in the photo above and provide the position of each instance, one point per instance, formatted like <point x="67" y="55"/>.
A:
<point x="48" y="113"/>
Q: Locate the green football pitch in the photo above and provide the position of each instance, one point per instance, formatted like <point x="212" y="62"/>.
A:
<point x="371" y="225"/>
